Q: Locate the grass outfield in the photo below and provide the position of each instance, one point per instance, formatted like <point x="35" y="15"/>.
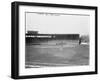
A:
<point x="57" y="55"/>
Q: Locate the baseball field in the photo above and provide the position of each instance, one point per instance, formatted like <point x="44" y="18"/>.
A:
<point x="56" y="55"/>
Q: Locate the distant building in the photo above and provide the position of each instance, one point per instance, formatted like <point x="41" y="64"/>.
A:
<point x="52" y="36"/>
<point x="32" y="32"/>
<point x="34" y="36"/>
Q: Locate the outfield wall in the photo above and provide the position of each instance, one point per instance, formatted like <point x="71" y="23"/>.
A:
<point x="52" y="38"/>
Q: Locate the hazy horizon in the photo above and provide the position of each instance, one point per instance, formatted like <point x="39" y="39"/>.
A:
<point x="57" y="24"/>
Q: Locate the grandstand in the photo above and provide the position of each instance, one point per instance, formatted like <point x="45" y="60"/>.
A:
<point x="34" y="37"/>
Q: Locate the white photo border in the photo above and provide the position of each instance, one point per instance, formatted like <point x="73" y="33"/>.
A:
<point x="54" y="70"/>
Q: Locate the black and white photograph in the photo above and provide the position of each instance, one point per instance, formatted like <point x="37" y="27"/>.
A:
<point x="56" y="39"/>
<point x="50" y="40"/>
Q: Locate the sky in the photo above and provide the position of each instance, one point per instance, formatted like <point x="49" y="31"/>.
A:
<point x="57" y="24"/>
